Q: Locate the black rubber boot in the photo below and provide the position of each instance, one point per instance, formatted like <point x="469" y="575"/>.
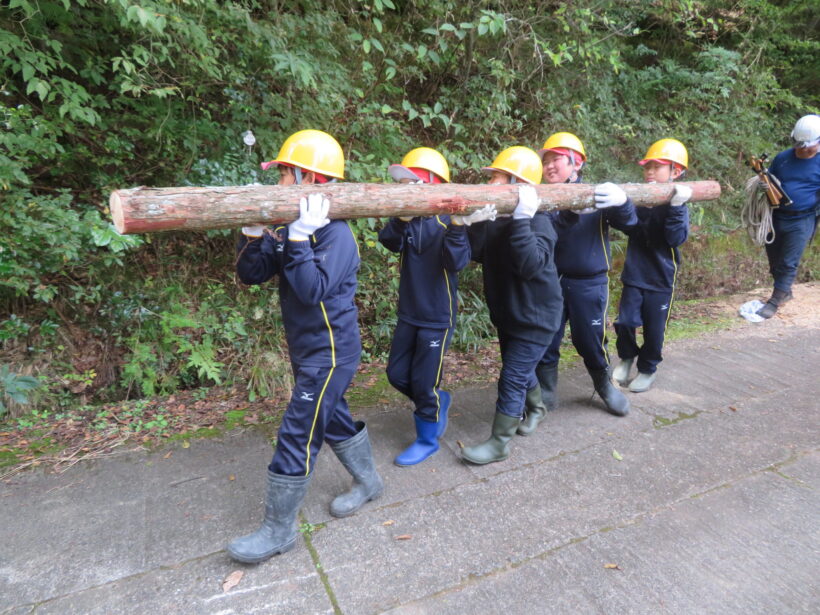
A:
<point x="778" y="298"/>
<point x="548" y="379"/>
<point x="615" y="401"/>
<point x="496" y="448"/>
<point x="278" y="531"/>
<point x="534" y="412"/>
<point x="357" y="458"/>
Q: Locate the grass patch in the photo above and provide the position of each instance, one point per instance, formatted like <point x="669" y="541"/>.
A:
<point x="371" y="388"/>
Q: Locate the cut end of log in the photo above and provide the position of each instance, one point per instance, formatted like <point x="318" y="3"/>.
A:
<point x="115" y="207"/>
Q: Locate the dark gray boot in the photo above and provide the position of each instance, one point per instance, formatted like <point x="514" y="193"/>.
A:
<point x="548" y="379"/>
<point x="496" y="448"/>
<point x="357" y="458"/>
<point x="278" y="531"/>
<point x="615" y="401"/>
<point x="534" y="412"/>
<point x="778" y="298"/>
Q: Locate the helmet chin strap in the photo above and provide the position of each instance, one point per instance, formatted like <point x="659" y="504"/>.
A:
<point x="298" y="173"/>
<point x="672" y="172"/>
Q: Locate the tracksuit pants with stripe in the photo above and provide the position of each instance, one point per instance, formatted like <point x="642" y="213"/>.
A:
<point x="317" y="412"/>
<point x="415" y="365"/>
<point x="585" y="306"/>
<point x="647" y="308"/>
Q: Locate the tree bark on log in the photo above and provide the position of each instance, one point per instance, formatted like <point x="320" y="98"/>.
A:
<point x="149" y="210"/>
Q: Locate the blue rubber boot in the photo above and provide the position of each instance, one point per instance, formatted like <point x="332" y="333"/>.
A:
<point x="426" y="444"/>
<point x="444" y="407"/>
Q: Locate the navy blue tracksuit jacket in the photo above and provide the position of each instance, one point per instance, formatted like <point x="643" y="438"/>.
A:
<point x="649" y="275"/>
<point x="432" y="253"/>
<point x="317" y="283"/>
<point x="582" y="257"/>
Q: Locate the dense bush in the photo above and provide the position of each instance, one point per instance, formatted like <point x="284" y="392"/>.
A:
<point x="100" y="94"/>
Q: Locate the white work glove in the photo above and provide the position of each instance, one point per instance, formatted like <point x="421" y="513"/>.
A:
<point x="609" y="195"/>
<point x="253" y="231"/>
<point x="682" y="194"/>
<point x="312" y="216"/>
<point x="488" y="212"/>
<point x="527" y="203"/>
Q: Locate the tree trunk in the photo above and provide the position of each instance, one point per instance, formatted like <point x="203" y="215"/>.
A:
<point x="148" y="210"/>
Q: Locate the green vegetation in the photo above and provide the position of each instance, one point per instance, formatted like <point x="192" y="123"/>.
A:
<point x="104" y="94"/>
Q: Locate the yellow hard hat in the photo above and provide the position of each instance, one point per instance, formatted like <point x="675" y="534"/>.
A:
<point x="520" y="162"/>
<point x="312" y="150"/>
<point x="670" y="150"/>
<point x="563" y="140"/>
<point x="421" y="158"/>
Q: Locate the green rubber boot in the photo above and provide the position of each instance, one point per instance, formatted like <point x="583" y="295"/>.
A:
<point x="621" y="371"/>
<point x="534" y="412"/>
<point x="642" y="383"/>
<point x="278" y="531"/>
<point x="497" y="447"/>
<point x="616" y="402"/>
<point x="548" y="379"/>
<point x="357" y="458"/>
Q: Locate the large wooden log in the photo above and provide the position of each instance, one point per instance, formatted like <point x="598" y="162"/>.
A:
<point x="148" y="210"/>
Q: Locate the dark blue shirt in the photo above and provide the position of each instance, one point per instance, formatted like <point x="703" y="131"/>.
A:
<point x="317" y="282"/>
<point x="583" y="240"/>
<point x="432" y="253"/>
<point x="520" y="280"/>
<point x="652" y="255"/>
<point x="800" y="179"/>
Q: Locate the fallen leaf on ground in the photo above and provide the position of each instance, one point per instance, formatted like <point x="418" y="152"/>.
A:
<point x="389" y="522"/>
<point x="732" y="408"/>
<point x="404" y="537"/>
<point x="612" y="566"/>
<point x="617" y="455"/>
<point x="168" y="455"/>
<point x="231" y="477"/>
<point x="186" y="444"/>
<point x="460" y="443"/>
<point x="232" y="580"/>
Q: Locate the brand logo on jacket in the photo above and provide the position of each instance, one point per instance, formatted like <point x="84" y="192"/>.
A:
<point x="435" y="343"/>
<point x="305" y="396"/>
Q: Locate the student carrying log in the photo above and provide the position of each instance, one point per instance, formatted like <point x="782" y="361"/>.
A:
<point x="521" y="287"/>
<point x="433" y="250"/>
<point x="316" y="260"/>
<point x="651" y="266"/>
<point x="582" y="258"/>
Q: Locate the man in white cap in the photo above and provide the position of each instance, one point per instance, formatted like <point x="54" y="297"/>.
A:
<point x="798" y="169"/>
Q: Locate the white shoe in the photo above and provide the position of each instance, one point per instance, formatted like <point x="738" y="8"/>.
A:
<point x="621" y="372"/>
<point x="642" y="382"/>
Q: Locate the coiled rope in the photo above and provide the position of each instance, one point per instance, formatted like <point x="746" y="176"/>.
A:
<point x="756" y="214"/>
